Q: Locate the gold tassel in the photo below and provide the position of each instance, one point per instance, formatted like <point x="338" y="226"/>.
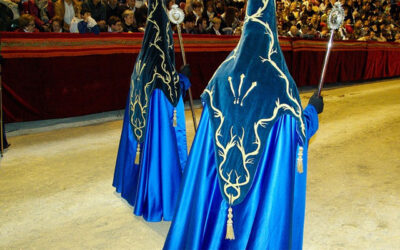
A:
<point x="137" y="158"/>
<point x="230" y="234"/>
<point x="174" y="119"/>
<point x="300" y="160"/>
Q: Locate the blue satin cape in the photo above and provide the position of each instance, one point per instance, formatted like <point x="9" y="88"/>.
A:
<point x="152" y="187"/>
<point x="272" y="214"/>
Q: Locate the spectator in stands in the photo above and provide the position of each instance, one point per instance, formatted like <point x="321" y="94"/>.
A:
<point x="56" y="24"/>
<point x="202" y="27"/>
<point x="141" y="17"/>
<point x="114" y="24"/>
<point x="112" y="9"/>
<point x="293" y="32"/>
<point x="88" y="24"/>
<point x="230" y="20"/>
<point x="219" y="7"/>
<point x="215" y="28"/>
<point x="41" y="10"/>
<point x="129" y="5"/>
<point x="397" y="38"/>
<point x="9" y="14"/>
<point x="129" y="24"/>
<point x="209" y="11"/>
<point x="27" y="24"/>
<point x="197" y="10"/>
<point x="237" y="31"/>
<point x="66" y="9"/>
<point x="189" y="24"/>
<point x="97" y="12"/>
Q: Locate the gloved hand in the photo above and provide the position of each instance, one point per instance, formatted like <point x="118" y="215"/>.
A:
<point x="317" y="102"/>
<point x="185" y="69"/>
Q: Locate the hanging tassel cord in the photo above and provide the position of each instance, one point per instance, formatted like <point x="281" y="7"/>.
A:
<point x="175" y="120"/>
<point x="300" y="160"/>
<point x="230" y="234"/>
<point x="137" y="158"/>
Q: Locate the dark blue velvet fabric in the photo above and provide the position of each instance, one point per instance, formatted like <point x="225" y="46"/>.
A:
<point x="154" y="68"/>
<point x="248" y="93"/>
<point x="272" y="214"/>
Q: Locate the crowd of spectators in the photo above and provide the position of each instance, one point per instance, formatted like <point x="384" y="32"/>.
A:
<point x="365" y="20"/>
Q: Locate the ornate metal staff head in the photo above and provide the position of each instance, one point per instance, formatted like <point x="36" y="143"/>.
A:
<point x="336" y="16"/>
<point x="176" y="14"/>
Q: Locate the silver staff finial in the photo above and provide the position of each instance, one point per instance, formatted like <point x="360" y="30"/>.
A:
<point x="176" y="14"/>
<point x="336" y="16"/>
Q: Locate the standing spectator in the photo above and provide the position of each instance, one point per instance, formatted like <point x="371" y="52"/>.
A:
<point x="114" y="24"/>
<point x="129" y="5"/>
<point x="27" y="24"/>
<point x="66" y="9"/>
<point x="97" y="12"/>
<point x="197" y="10"/>
<point x="112" y="9"/>
<point x="41" y="10"/>
<point x="56" y="25"/>
<point x="215" y="28"/>
<point x="209" y="11"/>
<point x="128" y="23"/>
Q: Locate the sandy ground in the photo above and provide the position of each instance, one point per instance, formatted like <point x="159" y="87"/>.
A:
<point x="56" y="192"/>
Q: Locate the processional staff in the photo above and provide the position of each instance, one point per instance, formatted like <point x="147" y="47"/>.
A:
<point x="1" y="112"/>
<point x="335" y="19"/>
<point x="176" y="16"/>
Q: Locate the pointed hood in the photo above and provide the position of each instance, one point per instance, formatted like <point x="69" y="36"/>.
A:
<point x="250" y="90"/>
<point x="154" y="68"/>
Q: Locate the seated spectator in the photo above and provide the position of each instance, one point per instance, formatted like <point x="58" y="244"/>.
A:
<point x="380" y="37"/>
<point x="114" y="24"/>
<point x="237" y="31"/>
<point x="66" y="9"/>
<point x="397" y="38"/>
<point x="112" y="9"/>
<point x="293" y="32"/>
<point x="41" y="10"/>
<point x="8" y="12"/>
<point x="97" y="12"/>
<point x="27" y="24"/>
<point x="215" y="28"/>
<point x="230" y="19"/>
<point x="84" y="23"/>
<point x="202" y="27"/>
<point x="141" y="17"/>
<point x="56" y="25"/>
<point x="128" y="22"/>
<point x="189" y="24"/>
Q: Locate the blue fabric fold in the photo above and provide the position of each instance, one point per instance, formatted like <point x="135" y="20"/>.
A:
<point x="272" y="214"/>
<point x="152" y="186"/>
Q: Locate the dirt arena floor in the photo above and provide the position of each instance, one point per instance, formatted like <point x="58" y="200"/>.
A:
<point x="56" y="192"/>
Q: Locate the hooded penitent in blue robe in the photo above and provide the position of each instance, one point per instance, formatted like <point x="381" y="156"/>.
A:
<point x="153" y="150"/>
<point x="245" y="180"/>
